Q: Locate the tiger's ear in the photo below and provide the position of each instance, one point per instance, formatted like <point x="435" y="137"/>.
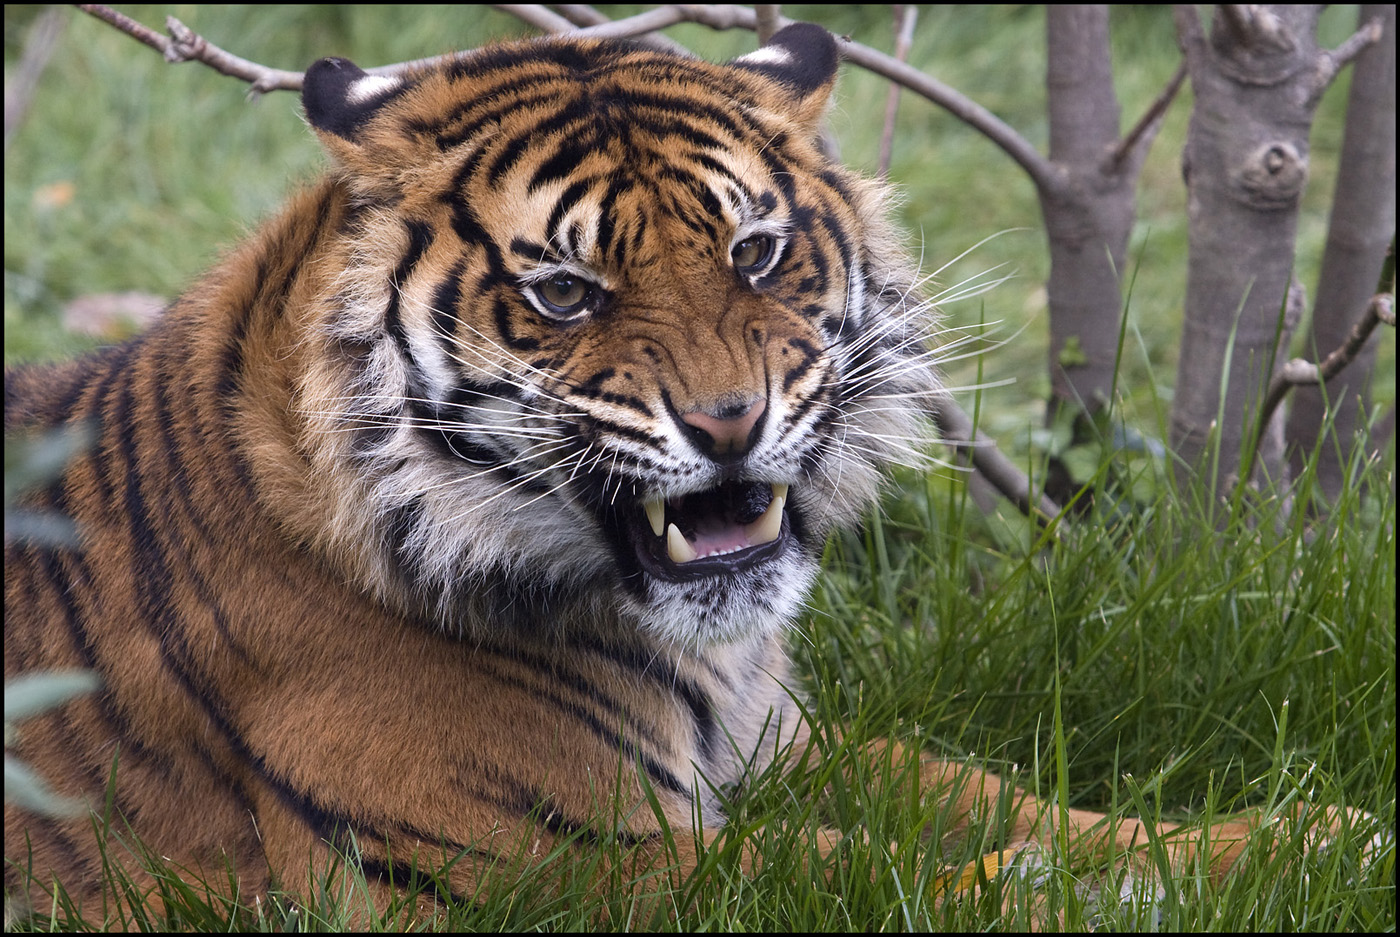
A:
<point x="800" y="61"/>
<point x="340" y="97"/>
<point x="341" y="100"/>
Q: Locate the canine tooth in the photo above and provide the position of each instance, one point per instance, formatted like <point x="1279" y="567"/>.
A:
<point x="780" y="490"/>
<point x="656" y="514"/>
<point x="676" y="547"/>
<point x="770" y="523"/>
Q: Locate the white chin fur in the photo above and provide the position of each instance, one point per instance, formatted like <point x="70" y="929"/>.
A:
<point x="722" y="610"/>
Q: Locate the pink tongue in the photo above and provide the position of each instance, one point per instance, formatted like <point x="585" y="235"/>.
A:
<point x="713" y="535"/>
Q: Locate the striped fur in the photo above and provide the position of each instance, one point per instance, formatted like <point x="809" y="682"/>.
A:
<point x="363" y="548"/>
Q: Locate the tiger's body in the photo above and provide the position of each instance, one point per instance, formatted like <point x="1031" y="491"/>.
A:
<point x="472" y="495"/>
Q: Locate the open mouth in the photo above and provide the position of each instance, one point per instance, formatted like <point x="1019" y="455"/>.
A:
<point x="725" y="530"/>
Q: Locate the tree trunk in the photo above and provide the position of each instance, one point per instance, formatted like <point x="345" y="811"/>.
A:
<point x="1246" y="162"/>
<point x="1088" y="213"/>
<point x="1358" y="235"/>
<point x="1089" y="218"/>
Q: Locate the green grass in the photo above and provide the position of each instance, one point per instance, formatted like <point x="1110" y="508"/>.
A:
<point x="1151" y="657"/>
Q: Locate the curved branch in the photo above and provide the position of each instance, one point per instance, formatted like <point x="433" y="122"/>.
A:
<point x="956" y="430"/>
<point x="905" y="15"/>
<point x="767" y="15"/>
<point x="185" y="45"/>
<point x="1330" y="62"/>
<point x="1299" y="372"/>
<point x="1145" y="130"/>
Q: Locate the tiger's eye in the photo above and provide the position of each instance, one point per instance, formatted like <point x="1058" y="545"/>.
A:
<point x="564" y="294"/>
<point x="752" y="253"/>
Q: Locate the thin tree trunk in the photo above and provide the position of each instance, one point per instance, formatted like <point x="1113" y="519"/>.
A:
<point x="1088" y="214"/>
<point x="1246" y="163"/>
<point x="1089" y="218"/>
<point x="1360" y="231"/>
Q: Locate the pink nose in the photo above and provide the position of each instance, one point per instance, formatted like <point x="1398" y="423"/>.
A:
<point x="724" y="433"/>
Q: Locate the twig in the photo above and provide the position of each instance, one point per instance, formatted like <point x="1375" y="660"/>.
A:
<point x="767" y="16"/>
<point x="1330" y="62"/>
<point x="1300" y="372"/>
<point x="955" y="429"/>
<point x="1145" y="130"/>
<point x="905" y="15"/>
<point x="39" y="43"/>
<point x="185" y="45"/>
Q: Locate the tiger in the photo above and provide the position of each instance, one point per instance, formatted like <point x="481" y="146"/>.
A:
<point x="466" y="506"/>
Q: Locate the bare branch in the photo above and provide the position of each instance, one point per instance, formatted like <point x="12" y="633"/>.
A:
<point x="768" y="17"/>
<point x="546" y="20"/>
<point x="1045" y="174"/>
<point x="127" y="25"/>
<point x="1145" y="130"/>
<point x="905" y="14"/>
<point x="580" y="14"/>
<point x="956" y="430"/>
<point x="583" y="16"/>
<point x="1380" y="310"/>
<point x="188" y="46"/>
<point x="1329" y="63"/>
<point x="1300" y="372"/>
<point x="39" y="43"/>
<point x="185" y="45"/>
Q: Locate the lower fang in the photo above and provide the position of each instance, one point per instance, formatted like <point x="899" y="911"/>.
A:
<point x="676" y="546"/>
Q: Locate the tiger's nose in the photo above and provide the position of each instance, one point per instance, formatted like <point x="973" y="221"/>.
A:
<point x="725" y="432"/>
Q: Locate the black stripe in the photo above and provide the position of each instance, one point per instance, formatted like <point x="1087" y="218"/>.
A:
<point x="565" y="160"/>
<point x="567" y="200"/>
<point x="810" y="356"/>
<point x="642" y="661"/>
<point x="420" y="237"/>
<point x="447" y="299"/>
<point x="178" y="470"/>
<point x="65" y="590"/>
<point x="612" y="736"/>
<point x="501" y="313"/>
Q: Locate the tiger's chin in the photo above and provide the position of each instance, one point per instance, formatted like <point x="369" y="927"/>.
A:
<point x="727" y="607"/>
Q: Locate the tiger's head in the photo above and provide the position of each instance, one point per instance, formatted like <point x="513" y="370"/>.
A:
<point x="613" y="336"/>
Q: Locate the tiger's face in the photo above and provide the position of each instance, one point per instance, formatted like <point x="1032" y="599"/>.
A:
<point x="615" y="335"/>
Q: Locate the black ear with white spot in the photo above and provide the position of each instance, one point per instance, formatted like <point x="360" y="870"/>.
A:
<point x="801" y="60"/>
<point x="340" y="97"/>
